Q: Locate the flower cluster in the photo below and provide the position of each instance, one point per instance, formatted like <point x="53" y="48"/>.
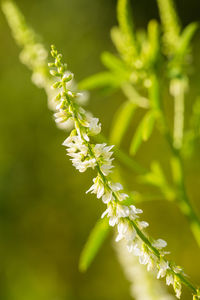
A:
<point x="84" y="154"/>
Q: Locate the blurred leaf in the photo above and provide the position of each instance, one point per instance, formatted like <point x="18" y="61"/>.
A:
<point x="186" y="37"/>
<point x="170" y="22"/>
<point x="126" y="24"/>
<point x="121" y="122"/>
<point x="143" y="131"/>
<point x="114" y="64"/>
<point x="148" y="124"/>
<point x="154" y="41"/>
<point x="118" y="40"/>
<point x="124" y="37"/>
<point x="103" y="79"/>
<point x="93" y="244"/>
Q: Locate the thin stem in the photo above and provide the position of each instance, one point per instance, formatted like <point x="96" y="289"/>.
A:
<point x="182" y="197"/>
<point x="178" y="93"/>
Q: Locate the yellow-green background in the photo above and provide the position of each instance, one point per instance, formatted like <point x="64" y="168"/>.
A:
<point x="45" y="215"/>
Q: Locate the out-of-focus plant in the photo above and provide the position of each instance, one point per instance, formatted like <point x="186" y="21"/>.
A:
<point x="145" y="61"/>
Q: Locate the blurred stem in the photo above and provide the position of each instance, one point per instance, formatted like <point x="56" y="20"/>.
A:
<point x="178" y="92"/>
<point x="178" y="169"/>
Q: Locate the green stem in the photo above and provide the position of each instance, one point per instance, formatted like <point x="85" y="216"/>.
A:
<point x="182" y="197"/>
<point x="179" y="91"/>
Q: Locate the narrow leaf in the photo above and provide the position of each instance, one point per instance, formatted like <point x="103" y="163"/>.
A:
<point x="186" y="37"/>
<point x="121" y="122"/>
<point x="143" y="132"/>
<point x="125" y="22"/>
<point x="115" y="64"/>
<point x="148" y="124"/>
<point x="136" y="141"/>
<point x="103" y="79"/>
<point x="93" y="244"/>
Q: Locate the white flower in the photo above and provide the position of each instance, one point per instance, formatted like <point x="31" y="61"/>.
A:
<point x="111" y="213"/>
<point x="106" y="169"/>
<point x="144" y="258"/>
<point x="125" y="231"/>
<point x="116" y="186"/>
<point x="177" y="287"/>
<point x="107" y="197"/>
<point x="134" y="247"/>
<point x="150" y="264"/>
<point x="143" y="224"/>
<point x="159" y="244"/>
<point x="103" y="155"/>
<point x="94" y="126"/>
<point x="74" y="144"/>
<point x="97" y="187"/>
<point x="61" y="116"/>
<point x="163" y="266"/>
<point x="82" y="165"/>
<point x="82" y="98"/>
<point x="122" y="196"/>
<point x="133" y="212"/>
<point x="122" y="228"/>
<point x="122" y="211"/>
<point x="169" y="279"/>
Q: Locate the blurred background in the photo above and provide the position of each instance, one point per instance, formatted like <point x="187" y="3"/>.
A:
<point x="45" y="215"/>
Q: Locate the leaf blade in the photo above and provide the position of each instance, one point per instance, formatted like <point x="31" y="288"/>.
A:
<point x="121" y="122"/>
<point x="93" y="244"/>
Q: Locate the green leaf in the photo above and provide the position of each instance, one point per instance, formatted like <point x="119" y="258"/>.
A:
<point x="154" y="41"/>
<point x="100" y="80"/>
<point x="115" y="64"/>
<point x="121" y="122"/>
<point x="148" y="124"/>
<point x="170" y="22"/>
<point x="118" y="40"/>
<point x="143" y="131"/>
<point x="125" y="22"/>
<point x="93" y="244"/>
<point x="136" y="141"/>
<point x="186" y="37"/>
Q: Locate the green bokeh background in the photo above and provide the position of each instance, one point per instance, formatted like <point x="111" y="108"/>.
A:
<point x="45" y="215"/>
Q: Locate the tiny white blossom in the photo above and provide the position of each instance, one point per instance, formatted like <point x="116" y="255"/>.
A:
<point x="169" y="279"/>
<point x="163" y="266"/>
<point x="143" y="224"/>
<point x="97" y="187"/>
<point x="159" y="244"/>
<point x="61" y="116"/>
<point x="107" y="197"/>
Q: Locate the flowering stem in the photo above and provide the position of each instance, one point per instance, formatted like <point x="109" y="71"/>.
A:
<point x="98" y="156"/>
